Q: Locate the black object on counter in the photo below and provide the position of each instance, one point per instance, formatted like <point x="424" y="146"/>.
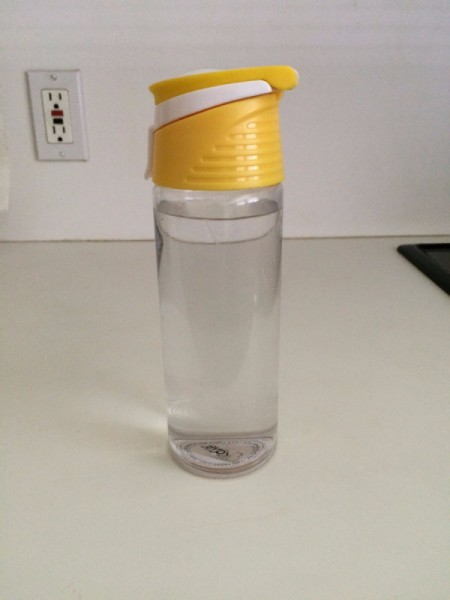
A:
<point x="432" y="259"/>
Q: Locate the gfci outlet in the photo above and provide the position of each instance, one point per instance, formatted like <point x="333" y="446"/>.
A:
<point x="58" y="115"/>
<point x="58" y="123"/>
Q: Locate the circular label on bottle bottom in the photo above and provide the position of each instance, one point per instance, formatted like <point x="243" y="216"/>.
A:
<point x="223" y="453"/>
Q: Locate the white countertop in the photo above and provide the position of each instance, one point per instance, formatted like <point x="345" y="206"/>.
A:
<point x="353" y="506"/>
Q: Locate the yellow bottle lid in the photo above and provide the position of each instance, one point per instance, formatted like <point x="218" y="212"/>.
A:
<point x="219" y="130"/>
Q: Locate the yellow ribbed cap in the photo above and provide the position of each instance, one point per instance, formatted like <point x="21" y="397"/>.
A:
<point x="229" y="146"/>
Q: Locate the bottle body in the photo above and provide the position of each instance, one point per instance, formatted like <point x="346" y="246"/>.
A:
<point x="219" y="258"/>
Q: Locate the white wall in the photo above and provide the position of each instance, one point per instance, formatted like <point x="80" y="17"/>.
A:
<point x="366" y="135"/>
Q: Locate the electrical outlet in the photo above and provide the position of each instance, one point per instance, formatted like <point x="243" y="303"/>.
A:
<point x="58" y="115"/>
<point x="58" y="123"/>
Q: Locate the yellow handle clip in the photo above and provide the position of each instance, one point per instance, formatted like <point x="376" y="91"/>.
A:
<point x="279" y="77"/>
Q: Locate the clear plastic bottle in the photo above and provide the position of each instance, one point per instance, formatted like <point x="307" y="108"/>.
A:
<point x="219" y="257"/>
<point x="217" y="169"/>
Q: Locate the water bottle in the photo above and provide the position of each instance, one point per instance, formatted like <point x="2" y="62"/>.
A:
<point x="216" y="166"/>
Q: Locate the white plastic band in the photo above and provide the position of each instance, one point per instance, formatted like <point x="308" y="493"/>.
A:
<point x="148" y="170"/>
<point x="193" y="102"/>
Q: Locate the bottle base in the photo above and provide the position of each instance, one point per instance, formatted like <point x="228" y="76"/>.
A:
<point x="221" y="457"/>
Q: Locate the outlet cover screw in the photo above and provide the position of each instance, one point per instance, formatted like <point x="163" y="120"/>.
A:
<point x="62" y="154"/>
<point x="53" y="77"/>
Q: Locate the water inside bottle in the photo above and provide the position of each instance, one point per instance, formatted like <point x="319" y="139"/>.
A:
<point x="219" y="298"/>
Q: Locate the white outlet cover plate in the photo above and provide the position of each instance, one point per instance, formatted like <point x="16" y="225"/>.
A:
<point x="58" y="80"/>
